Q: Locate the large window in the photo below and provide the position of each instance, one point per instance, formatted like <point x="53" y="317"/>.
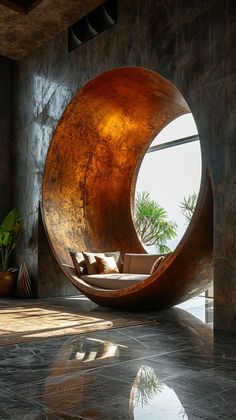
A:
<point x="171" y="172"/>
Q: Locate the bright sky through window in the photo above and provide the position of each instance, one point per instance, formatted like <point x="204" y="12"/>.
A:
<point x="171" y="174"/>
<point x="182" y="126"/>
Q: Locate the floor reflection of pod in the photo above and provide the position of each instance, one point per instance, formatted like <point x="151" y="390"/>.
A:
<point x="103" y="379"/>
<point x="89" y="180"/>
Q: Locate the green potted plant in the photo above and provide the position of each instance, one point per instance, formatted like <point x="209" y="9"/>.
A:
<point x="10" y="230"/>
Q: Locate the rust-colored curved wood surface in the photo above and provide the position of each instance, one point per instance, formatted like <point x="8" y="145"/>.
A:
<point x="89" y="179"/>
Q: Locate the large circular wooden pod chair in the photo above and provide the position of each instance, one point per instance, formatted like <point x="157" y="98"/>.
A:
<point x="89" y="182"/>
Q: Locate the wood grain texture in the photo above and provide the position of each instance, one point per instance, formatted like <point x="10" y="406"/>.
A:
<point x="89" y="180"/>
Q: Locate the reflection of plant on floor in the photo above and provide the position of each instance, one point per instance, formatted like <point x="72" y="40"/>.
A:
<point x="151" y="223"/>
<point x="146" y="385"/>
<point x="188" y="206"/>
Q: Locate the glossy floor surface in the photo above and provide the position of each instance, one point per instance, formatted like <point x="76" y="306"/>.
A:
<point x="169" y="369"/>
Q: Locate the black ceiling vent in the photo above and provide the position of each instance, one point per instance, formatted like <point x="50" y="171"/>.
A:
<point x="91" y="25"/>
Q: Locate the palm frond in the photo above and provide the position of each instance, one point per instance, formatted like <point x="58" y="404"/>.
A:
<point x="152" y="224"/>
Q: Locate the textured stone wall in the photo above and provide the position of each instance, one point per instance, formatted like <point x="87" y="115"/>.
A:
<point x="190" y="43"/>
<point x="5" y="136"/>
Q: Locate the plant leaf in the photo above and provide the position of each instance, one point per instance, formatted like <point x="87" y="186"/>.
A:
<point x="10" y="219"/>
<point x="152" y="224"/>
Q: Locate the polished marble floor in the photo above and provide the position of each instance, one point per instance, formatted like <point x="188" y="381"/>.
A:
<point x="171" y="369"/>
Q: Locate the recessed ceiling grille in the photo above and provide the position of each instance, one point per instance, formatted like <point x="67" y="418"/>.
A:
<point x="100" y="19"/>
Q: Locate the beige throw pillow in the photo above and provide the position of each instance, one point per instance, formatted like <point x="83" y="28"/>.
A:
<point x="79" y="263"/>
<point x="91" y="262"/>
<point x="106" y="265"/>
<point x="157" y="264"/>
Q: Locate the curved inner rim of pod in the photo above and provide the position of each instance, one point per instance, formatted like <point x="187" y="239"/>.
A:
<point x="94" y="158"/>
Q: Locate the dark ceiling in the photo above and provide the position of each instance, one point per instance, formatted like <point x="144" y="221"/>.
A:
<point x="21" y="6"/>
<point x="28" y="25"/>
